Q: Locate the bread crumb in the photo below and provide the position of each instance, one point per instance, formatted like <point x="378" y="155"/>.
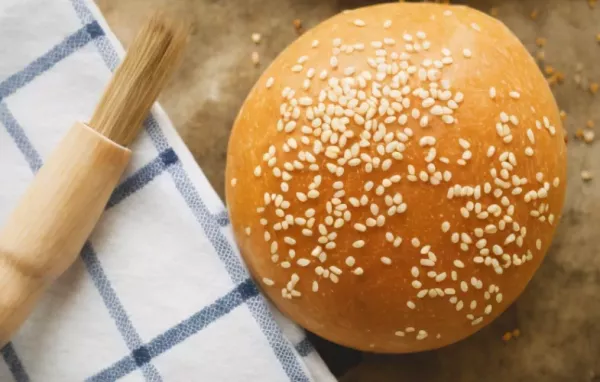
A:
<point x="255" y="58"/>
<point x="594" y="87"/>
<point x="507" y="336"/>
<point x="540" y="55"/>
<point x="592" y="3"/>
<point x="589" y="124"/>
<point x="516" y="333"/>
<point x="256" y="38"/>
<point x="534" y="14"/>
<point x="588" y="136"/>
<point x="598" y="37"/>
<point x="549" y="69"/>
<point x="297" y="23"/>
<point x="540" y="41"/>
<point x="563" y="115"/>
<point x="579" y="133"/>
<point x="560" y="77"/>
<point x="494" y="12"/>
<point x="586" y="175"/>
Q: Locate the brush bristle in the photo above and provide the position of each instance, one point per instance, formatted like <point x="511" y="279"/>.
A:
<point x="149" y="62"/>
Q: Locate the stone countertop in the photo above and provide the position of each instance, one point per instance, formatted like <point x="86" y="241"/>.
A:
<point x="559" y="313"/>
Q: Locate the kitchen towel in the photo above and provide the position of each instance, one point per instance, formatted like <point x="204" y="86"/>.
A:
<point x="159" y="292"/>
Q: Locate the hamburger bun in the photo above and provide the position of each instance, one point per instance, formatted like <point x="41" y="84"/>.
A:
<point x="395" y="177"/>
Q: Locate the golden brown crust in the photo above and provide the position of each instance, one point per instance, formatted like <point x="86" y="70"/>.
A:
<point x="370" y="311"/>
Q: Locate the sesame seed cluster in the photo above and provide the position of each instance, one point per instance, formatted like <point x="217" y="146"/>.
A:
<point x="349" y="140"/>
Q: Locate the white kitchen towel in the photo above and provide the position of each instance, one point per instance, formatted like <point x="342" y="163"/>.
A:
<point x="159" y="292"/>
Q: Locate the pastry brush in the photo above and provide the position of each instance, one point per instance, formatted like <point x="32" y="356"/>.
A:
<point x="46" y="231"/>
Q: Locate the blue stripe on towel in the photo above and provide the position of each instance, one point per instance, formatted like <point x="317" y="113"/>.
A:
<point x="141" y="356"/>
<point x="304" y="347"/>
<point x="18" y="135"/>
<point x="258" y="307"/>
<point x="14" y="363"/>
<point x="111" y="300"/>
<point x="114" y="306"/>
<point x="142" y="177"/>
<point x="63" y="49"/>
<point x="179" y="333"/>
<point x="222" y="218"/>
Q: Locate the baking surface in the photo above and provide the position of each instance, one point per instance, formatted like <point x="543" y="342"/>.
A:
<point x="558" y="316"/>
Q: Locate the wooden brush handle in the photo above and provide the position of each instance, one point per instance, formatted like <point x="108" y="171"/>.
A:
<point x="45" y="233"/>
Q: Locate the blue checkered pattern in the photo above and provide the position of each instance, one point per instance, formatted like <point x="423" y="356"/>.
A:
<point x="142" y="351"/>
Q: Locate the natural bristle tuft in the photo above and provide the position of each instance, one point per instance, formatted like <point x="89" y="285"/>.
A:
<point x="149" y="62"/>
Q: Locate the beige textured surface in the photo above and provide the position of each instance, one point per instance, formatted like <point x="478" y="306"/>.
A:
<point x="559" y="313"/>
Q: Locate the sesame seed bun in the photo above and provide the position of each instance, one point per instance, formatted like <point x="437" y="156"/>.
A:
<point x="396" y="175"/>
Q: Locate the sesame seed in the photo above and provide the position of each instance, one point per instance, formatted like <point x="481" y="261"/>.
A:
<point x="303" y="262"/>
<point x="333" y="62"/>
<point x="268" y="281"/>
<point x="350" y="261"/>
<point x="358" y="244"/>
<point x="358" y="271"/>
<point x="556" y="182"/>
<point x="421" y="335"/>
<point x="255" y="58"/>
<point x="399" y="333"/>
<point x="445" y="226"/>
<point x="427" y="263"/>
<point x="360" y="227"/>
<point x="488" y="310"/>
<point x="359" y="23"/>
<point x="387" y="24"/>
<point x="514" y="95"/>
<point x="414" y="272"/>
<point x="586" y="175"/>
<point x="467" y="53"/>
<point x="315" y="286"/>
